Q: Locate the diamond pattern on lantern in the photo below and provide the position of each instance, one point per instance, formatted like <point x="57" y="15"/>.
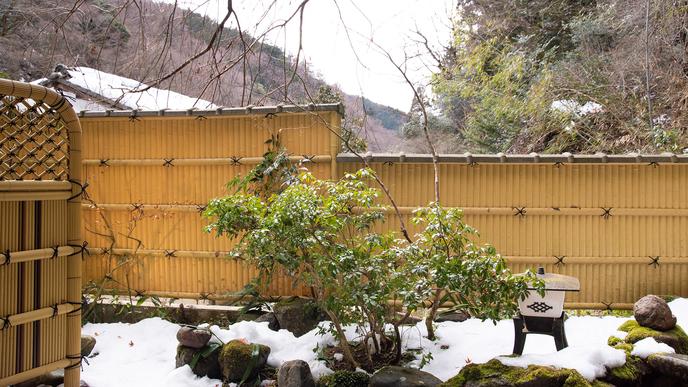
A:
<point x="539" y="307"/>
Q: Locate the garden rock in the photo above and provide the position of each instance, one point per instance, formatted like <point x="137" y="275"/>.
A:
<point x="81" y="384"/>
<point x="671" y="364"/>
<point x="653" y="312"/>
<point x="394" y="376"/>
<point x="271" y="319"/>
<point x="235" y="358"/>
<point x="494" y="373"/>
<point x="205" y="366"/>
<point x="298" y="315"/>
<point x="455" y="317"/>
<point x="87" y="344"/>
<point x="193" y="338"/>
<point x="295" y="373"/>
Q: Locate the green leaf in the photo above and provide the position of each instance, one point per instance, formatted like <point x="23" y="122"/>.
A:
<point x="251" y="363"/>
<point x="205" y="352"/>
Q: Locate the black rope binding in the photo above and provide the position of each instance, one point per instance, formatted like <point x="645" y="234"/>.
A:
<point x="308" y="158"/>
<point x="520" y="211"/>
<point x="235" y="160"/>
<point x="201" y="118"/>
<point x="270" y="115"/>
<point x="139" y="293"/>
<point x="77" y="364"/>
<point x="606" y="214"/>
<point x="558" y="164"/>
<point x="609" y="306"/>
<point x="83" y="189"/>
<point x="473" y="164"/>
<point x="653" y="164"/>
<point x="170" y="253"/>
<point x="390" y="163"/>
<point x="201" y="209"/>
<point x="54" y="310"/>
<point x="168" y="163"/>
<point x="6" y="323"/>
<point x="655" y="261"/>
<point x="560" y="260"/>
<point x="104" y="163"/>
<point x="7" y="257"/>
<point x="54" y="252"/>
<point x="81" y="248"/>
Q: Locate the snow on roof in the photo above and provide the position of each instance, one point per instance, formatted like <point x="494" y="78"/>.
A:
<point x="124" y="91"/>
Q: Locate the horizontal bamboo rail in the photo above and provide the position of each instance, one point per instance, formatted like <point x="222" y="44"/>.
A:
<point x="198" y="162"/>
<point x="555" y="211"/>
<point x="39" y="185"/>
<point x="34" y="373"/>
<point x="34" y="196"/>
<point x="534" y="158"/>
<point x="570" y="211"/>
<point x="35" y="255"/>
<point x="190" y="296"/>
<point x="162" y="253"/>
<point x="38" y="314"/>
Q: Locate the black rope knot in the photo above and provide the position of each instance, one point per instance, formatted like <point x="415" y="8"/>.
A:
<point x="170" y="253"/>
<point x="168" y="163"/>
<point x="82" y="249"/>
<point x="560" y="260"/>
<point x="7" y="257"/>
<point x="54" y="310"/>
<point x="6" y="323"/>
<point x="77" y="364"/>
<point x="54" y="252"/>
<point x="307" y="159"/>
<point x="201" y="209"/>
<point x="235" y="160"/>
<point x="82" y="192"/>
<point x="606" y="214"/>
<point x="655" y="261"/>
<point x="520" y="211"/>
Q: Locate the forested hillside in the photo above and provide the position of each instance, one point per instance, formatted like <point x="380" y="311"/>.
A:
<point x="166" y="47"/>
<point x="588" y="76"/>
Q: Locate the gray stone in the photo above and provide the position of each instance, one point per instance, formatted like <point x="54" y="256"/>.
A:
<point x="81" y="384"/>
<point x="670" y="364"/>
<point x="295" y="373"/>
<point x="298" y="315"/>
<point x="87" y="344"/>
<point x="653" y="312"/>
<point x="205" y="366"/>
<point x="193" y="338"/>
<point x="235" y="358"/>
<point x="394" y="376"/>
<point x="271" y="319"/>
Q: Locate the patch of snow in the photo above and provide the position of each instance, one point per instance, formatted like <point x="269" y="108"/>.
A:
<point x="649" y="346"/>
<point x="126" y="91"/>
<point x="589" y="360"/>
<point x="576" y="109"/>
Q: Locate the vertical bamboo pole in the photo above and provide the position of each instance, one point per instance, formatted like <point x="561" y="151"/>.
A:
<point x="72" y="372"/>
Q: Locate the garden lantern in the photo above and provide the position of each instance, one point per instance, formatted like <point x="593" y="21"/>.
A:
<point x="544" y="315"/>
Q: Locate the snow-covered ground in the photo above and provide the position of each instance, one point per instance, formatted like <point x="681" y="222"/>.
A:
<point x="143" y="354"/>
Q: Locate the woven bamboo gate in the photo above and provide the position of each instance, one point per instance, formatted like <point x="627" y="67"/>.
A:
<point x="40" y="228"/>
<point x="618" y="223"/>
<point x="150" y="175"/>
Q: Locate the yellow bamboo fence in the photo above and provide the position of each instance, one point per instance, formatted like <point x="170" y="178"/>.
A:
<point x="40" y="234"/>
<point x="150" y="176"/>
<point x="617" y="223"/>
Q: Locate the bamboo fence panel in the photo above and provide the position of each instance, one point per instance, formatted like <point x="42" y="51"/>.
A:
<point x="619" y="228"/>
<point x="150" y="178"/>
<point x="40" y="227"/>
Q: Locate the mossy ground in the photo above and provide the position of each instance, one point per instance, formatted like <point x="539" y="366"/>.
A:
<point x="344" y="378"/>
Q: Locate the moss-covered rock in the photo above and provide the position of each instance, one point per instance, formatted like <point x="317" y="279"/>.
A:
<point x="630" y="374"/>
<point x="344" y="378"/>
<point x="676" y="338"/>
<point x="235" y="358"/>
<point x="205" y="366"/>
<point x="494" y="373"/>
